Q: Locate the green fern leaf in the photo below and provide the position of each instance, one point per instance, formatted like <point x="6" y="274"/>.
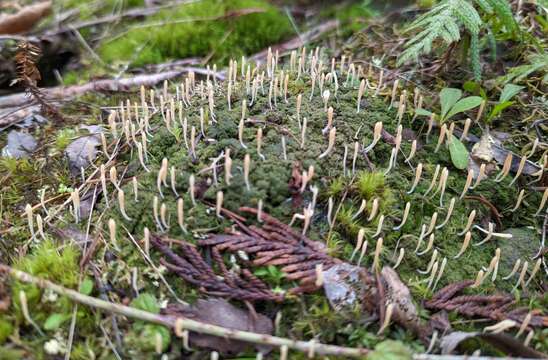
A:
<point x="467" y="15"/>
<point x="443" y="21"/>
<point x="485" y="6"/>
<point x="475" y="56"/>
<point x="504" y="13"/>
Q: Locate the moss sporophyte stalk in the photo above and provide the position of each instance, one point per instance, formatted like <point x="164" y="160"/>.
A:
<point x="348" y="164"/>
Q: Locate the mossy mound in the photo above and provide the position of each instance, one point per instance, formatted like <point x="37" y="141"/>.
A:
<point x="194" y="134"/>
<point x="214" y="29"/>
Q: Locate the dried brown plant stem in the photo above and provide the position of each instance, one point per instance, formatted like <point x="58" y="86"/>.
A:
<point x="179" y="324"/>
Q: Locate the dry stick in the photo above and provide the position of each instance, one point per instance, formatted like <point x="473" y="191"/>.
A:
<point x="180" y="324"/>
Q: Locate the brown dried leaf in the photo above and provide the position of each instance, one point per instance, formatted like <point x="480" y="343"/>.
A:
<point x="506" y="343"/>
<point x="25" y="19"/>
<point x="220" y="312"/>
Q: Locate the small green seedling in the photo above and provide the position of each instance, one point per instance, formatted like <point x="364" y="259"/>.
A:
<point x="452" y="103"/>
<point x="507" y="93"/>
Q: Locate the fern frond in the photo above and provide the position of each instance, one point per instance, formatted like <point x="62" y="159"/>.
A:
<point x="537" y="63"/>
<point x="475" y="56"/>
<point x="485" y="6"/>
<point x="443" y="22"/>
<point x="468" y="16"/>
<point x="503" y="11"/>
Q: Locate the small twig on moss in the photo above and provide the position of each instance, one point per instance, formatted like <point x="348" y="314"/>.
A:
<point x="179" y="324"/>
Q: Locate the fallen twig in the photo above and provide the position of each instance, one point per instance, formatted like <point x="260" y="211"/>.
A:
<point x="179" y="324"/>
<point x="66" y="92"/>
<point x="298" y="41"/>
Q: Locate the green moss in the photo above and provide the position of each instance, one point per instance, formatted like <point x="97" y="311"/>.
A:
<point x="199" y="29"/>
<point x="370" y="184"/>
<point x="6" y="329"/>
<point x="59" y="265"/>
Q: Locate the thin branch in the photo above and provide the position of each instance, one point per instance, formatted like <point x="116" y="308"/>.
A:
<point x="179" y="323"/>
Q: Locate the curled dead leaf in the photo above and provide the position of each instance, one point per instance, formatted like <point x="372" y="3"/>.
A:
<point x="24" y="19"/>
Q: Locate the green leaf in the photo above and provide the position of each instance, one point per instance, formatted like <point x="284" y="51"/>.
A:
<point x="448" y="98"/>
<point x="463" y="105"/>
<point x="423" y="112"/>
<point x="86" y="287"/>
<point x="471" y="86"/>
<point x="497" y="109"/>
<point x="54" y="321"/>
<point x="459" y="153"/>
<point x="509" y="91"/>
<point x="146" y="302"/>
<point x="390" y="350"/>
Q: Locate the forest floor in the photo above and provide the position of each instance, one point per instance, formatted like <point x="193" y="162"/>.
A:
<point x="270" y="169"/>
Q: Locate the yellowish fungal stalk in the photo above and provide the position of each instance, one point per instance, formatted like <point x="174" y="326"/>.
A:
<point x="519" y="200"/>
<point x="319" y="275"/>
<point x="392" y="161"/>
<point x="405" y="215"/>
<point x="361" y="92"/>
<point x="228" y="166"/>
<point x="536" y="268"/>
<point x="524" y="324"/>
<point x="433" y="221"/>
<point x="469" y="222"/>
<point x="448" y="215"/>
<point x="374" y="209"/>
<point x="331" y="143"/>
<point x="163" y="216"/>
<point x="40" y="226"/>
<point x="387" y="318"/>
<point x="400" y="258"/>
<point x="112" y="232"/>
<point x="303" y="133"/>
<point x="432" y="275"/>
<point x="359" y="242"/>
<point x="418" y="173"/>
<point x="428" y="245"/>
<point x="75" y="197"/>
<point x="521" y="279"/>
<point x="479" y="279"/>
<point x="191" y="189"/>
<point x="103" y="180"/>
<point x="542" y="202"/>
<point x="480" y="177"/>
<point x="440" y="273"/>
<point x="219" y="203"/>
<point x="464" y="134"/>
<point x="260" y="211"/>
<point x="412" y="152"/>
<point x="122" y="204"/>
<point x="514" y="270"/>
<point x="377" y="131"/>
<point x="30" y="219"/>
<point x="378" y="249"/>
<point x="247" y="165"/>
<point x="259" y="143"/>
<point x="520" y="169"/>
<point x="441" y="137"/>
<point x="379" y="226"/>
<point x="433" y="259"/>
<point x="501" y="326"/>
<point x="146" y="241"/>
<point x="181" y="214"/>
<point x="434" y="180"/>
<point x="465" y="244"/>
